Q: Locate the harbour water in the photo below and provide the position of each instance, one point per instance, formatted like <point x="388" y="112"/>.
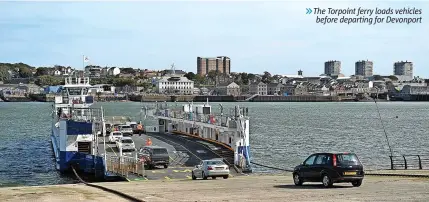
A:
<point x="282" y="134"/>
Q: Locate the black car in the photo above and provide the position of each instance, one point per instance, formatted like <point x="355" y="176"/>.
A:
<point x="154" y="156"/>
<point x="330" y="168"/>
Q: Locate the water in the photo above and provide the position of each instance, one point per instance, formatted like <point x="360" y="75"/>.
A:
<point x="282" y="134"/>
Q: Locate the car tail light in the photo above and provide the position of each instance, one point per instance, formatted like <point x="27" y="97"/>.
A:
<point x="334" y="160"/>
<point x="209" y="168"/>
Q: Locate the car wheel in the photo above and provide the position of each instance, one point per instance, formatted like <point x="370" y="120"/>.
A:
<point x="225" y="177"/>
<point x="165" y="166"/>
<point x="204" y="176"/>
<point x="214" y="178"/>
<point x="357" y="183"/>
<point x="326" y="180"/>
<point x="193" y="176"/>
<point x="297" y="180"/>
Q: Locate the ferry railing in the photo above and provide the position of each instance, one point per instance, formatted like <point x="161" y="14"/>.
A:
<point x="125" y="166"/>
<point x="409" y="162"/>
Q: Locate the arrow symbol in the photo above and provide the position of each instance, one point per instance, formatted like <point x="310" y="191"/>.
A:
<point x="309" y="11"/>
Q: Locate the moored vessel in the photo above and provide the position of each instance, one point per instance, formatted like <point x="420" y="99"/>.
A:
<point x="230" y="131"/>
<point x="74" y="129"/>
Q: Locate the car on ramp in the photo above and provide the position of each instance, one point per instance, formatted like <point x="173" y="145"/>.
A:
<point x="211" y="168"/>
<point x="330" y="168"/>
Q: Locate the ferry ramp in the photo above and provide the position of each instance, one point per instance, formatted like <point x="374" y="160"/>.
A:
<point x="184" y="155"/>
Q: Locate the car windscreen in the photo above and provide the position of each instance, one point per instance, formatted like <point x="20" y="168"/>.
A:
<point x="215" y="163"/>
<point x="160" y="151"/>
<point x="347" y="159"/>
<point x="127" y="141"/>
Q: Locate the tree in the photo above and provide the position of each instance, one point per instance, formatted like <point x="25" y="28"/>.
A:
<point x="377" y="78"/>
<point x="190" y="76"/>
<point x="42" y="71"/>
<point x="128" y="70"/>
<point x="199" y="79"/>
<point x="25" y="72"/>
<point x="393" y="78"/>
<point x="124" y="82"/>
<point x="47" y="80"/>
<point x="266" y="78"/>
<point x="4" y="74"/>
<point x="213" y="74"/>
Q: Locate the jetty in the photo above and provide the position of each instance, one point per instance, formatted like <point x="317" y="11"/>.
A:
<point x="257" y="188"/>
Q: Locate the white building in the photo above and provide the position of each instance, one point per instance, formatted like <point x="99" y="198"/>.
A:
<point x="175" y="85"/>
<point x="114" y="71"/>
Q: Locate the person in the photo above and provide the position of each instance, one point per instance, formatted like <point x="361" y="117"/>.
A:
<point x="148" y="142"/>
<point x="140" y="128"/>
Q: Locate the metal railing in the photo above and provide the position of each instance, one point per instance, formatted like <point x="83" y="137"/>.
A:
<point x="409" y="162"/>
<point x="125" y="166"/>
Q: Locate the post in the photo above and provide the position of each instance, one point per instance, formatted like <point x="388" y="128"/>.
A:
<point x="405" y="162"/>
<point x="104" y="136"/>
<point x="420" y="162"/>
<point x="391" y="162"/>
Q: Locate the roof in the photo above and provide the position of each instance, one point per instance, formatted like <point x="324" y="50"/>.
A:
<point x="155" y="147"/>
<point x="127" y="138"/>
<point x="182" y="79"/>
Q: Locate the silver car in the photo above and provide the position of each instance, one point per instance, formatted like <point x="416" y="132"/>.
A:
<point x="211" y="168"/>
<point x="126" y="143"/>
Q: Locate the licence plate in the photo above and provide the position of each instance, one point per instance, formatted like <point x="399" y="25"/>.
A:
<point x="219" y="168"/>
<point x="349" y="173"/>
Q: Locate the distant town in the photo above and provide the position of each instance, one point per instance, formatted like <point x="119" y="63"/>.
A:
<point x="214" y="77"/>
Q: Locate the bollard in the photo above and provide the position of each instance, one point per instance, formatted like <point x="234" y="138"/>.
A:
<point x="405" y="162"/>
<point x="420" y="162"/>
<point x="391" y="162"/>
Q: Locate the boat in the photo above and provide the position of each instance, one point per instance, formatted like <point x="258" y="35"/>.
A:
<point x="75" y="124"/>
<point x="229" y="131"/>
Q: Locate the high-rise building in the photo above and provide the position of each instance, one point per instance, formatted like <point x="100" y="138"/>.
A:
<point x="332" y="67"/>
<point x="403" y="68"/>
<point x="220" y="64"/>
<point x="364" y="68"/>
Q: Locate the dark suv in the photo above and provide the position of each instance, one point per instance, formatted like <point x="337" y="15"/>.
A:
<point x="154" y="156"/>
<point x="330" y="168"/>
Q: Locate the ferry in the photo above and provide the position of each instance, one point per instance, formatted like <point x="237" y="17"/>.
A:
<point x="75" y="125"/>
<point x="229" y="131"/>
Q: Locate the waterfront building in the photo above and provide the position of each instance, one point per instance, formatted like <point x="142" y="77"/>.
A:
<point x="229" y="89"/>
<point x="403" y="69"/>
<point x="364" y="68"/>
<point x="113" y="71"/>
<point x="259" y="88"/>
<point x="220" y="64"/>
<point x="332" y="67"/>
<point x="275" y="88"/>
<point x="174" y="85"/>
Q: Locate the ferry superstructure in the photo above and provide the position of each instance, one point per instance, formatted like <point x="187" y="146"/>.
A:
<point x="74" y="129"/>
<point x="230" y="131"/>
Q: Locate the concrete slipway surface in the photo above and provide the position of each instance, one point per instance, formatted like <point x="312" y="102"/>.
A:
<point x="239" y="188"/>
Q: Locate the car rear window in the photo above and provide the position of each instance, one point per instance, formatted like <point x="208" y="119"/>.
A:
<point x="127" y="141"/>
<point x="347" y="159"/>
<point x="126" y="127"/>
<point x="215" y="163"/>
<point x="116" y="134"/>
<point x="160" y="151"/>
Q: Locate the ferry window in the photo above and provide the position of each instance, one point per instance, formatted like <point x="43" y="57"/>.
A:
<point x="74" y="91"/>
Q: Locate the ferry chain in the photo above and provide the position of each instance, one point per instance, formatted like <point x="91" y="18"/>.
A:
<point x="121" y="194"/>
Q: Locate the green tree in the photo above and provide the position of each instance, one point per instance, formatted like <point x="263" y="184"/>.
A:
<point x="47" y="80"/>
<point x="190" y="76"/>
<point x="42" y="71"/>
<point x="393" y="78"/>
<point x="124" y="82"/>
<point x="25" y="72"/>
<point x="267" y="78"/>
<point x="4" y="74"/>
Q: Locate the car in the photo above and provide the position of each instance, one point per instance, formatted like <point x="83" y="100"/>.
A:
<point x="115" y="136"/>
<point x="330" y="168"/>
<point x="154" y="156"/>
<point x="211" y="168"/>
<point x="127" y="144"/>
<point x="126" y="130"/>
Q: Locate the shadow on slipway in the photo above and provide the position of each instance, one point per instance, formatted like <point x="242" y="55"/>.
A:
<point x="309" y="186"/>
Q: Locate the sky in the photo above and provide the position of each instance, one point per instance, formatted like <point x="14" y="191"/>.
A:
<point x="278" y="36"/>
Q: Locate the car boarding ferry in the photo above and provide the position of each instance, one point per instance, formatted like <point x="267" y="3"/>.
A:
<point x="74" y="129"/>
<point x="229" y="131"/>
